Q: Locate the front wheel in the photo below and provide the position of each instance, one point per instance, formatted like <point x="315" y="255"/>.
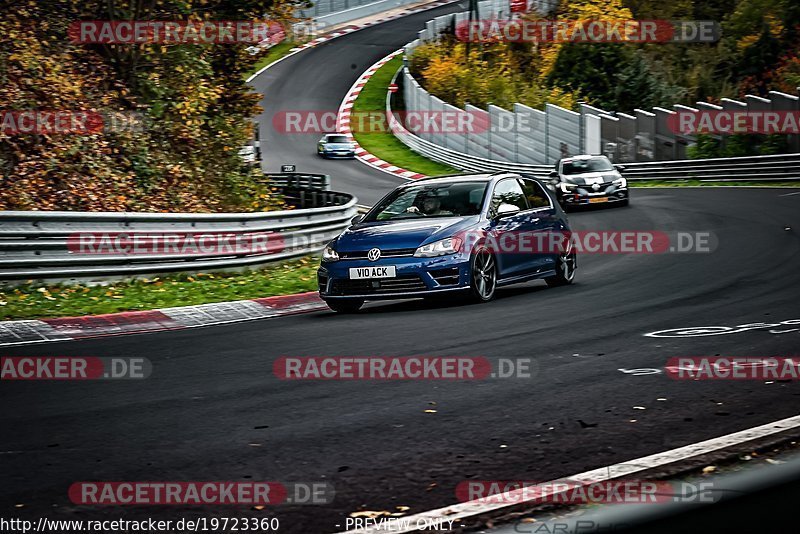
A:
<point x="483" y="276"/>
<point x="565" y="269"/>
<point x="345" y="305"/>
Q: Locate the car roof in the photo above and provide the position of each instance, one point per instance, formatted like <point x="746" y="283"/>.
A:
<point x="582" y="157"/>
<point x="467" y="177"/>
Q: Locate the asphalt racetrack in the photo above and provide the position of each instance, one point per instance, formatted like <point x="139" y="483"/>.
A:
<point x="213" y="409"/>
<point x="316" y="81"/>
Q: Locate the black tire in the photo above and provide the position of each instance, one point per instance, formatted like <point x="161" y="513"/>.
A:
<point x="625" y="202"/>
<point x="565" y="269"/>
<point x="483" y="275"/>
<point x="345" y="305"/>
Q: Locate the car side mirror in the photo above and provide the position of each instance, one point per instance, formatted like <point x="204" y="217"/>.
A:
<point x="357" y="219"/>
<point x="504" y="210"/>
<point x="620" y="168"/>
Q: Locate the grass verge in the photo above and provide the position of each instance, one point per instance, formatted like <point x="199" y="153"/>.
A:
<point x="31" y="301"/>
<point x="273" y="54"/>
<point x="384" y="144"/>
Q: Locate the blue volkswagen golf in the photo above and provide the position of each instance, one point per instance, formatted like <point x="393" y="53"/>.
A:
<point x="461" y="234"/>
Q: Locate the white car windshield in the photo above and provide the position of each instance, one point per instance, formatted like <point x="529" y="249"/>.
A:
<point x="337" y="139"/>
<point x="580" y="166"/>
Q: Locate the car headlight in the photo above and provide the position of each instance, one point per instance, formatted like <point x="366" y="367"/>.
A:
<point x="565" y="187"/>
<point x="451" y="245"/>
<point x="328" y="254"/>
<point x="620" y="182"/>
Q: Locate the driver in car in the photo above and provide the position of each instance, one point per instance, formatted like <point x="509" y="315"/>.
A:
<point x="431" y="207"/>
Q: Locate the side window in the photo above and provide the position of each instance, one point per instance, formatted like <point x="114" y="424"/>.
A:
<point x="508" y="192"/>
<point x="537" y="197"/>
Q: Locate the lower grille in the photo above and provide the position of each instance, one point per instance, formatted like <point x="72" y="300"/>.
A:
<point x="401" y="284"/>
<point x="601" y="189"/>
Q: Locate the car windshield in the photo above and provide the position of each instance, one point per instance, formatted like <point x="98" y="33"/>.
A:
<point x="457" y="199"/>
<point x="580" y="166"/>
<point x="337" y="139"/>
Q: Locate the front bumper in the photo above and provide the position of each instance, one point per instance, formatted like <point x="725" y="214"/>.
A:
<point x="415" y="277"/>
<point x="586" y="196"/>
<point x="337" y="153"/>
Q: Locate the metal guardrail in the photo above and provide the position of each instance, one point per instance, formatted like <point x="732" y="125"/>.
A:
<point x="773" y="168"/>
<point x="47" y="246"/>
<point x="300" y="180"/>
<point x="333" y="12"/>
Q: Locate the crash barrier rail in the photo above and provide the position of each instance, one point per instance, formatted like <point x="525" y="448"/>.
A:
<point x="47" y="246"/>
<point x="300" y="180"/>
<point x="321" y="8"/>
<point x="772" y="168"/>
<point x="777" y="168"/>
<point x="534" y="137"/>
<point x="326" y="13"/>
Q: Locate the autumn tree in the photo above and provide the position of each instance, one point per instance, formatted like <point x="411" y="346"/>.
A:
<point x="191" y="105"/>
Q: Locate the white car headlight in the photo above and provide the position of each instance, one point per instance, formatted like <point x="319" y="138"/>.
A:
<point x="620" y="182"/>
<point x="565" y="187"/>
<point x="328" y="254"/>
<point x="451" y="245"/>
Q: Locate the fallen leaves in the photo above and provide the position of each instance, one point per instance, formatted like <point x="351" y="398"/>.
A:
<point x="373" y="514"/>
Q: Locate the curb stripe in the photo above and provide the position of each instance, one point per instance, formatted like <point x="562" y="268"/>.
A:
<point x="343" y="121"/>
<point x="139" y="322"/>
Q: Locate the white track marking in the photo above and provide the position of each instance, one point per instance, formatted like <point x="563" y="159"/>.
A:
<point x="463" y="511"/>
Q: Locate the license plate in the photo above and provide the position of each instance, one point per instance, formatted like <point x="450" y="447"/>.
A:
<point x="387" y="271"/>
<point x="598" y="199"/>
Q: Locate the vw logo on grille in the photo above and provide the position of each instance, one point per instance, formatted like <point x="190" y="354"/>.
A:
<point x="374" y="254"/>
<point x="596" y="187"/>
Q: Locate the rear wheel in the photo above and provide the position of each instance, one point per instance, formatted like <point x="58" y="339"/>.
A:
<point x="483" y="276"/>
<point x="345" y="305"/>
<point x="565" y="269"/>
